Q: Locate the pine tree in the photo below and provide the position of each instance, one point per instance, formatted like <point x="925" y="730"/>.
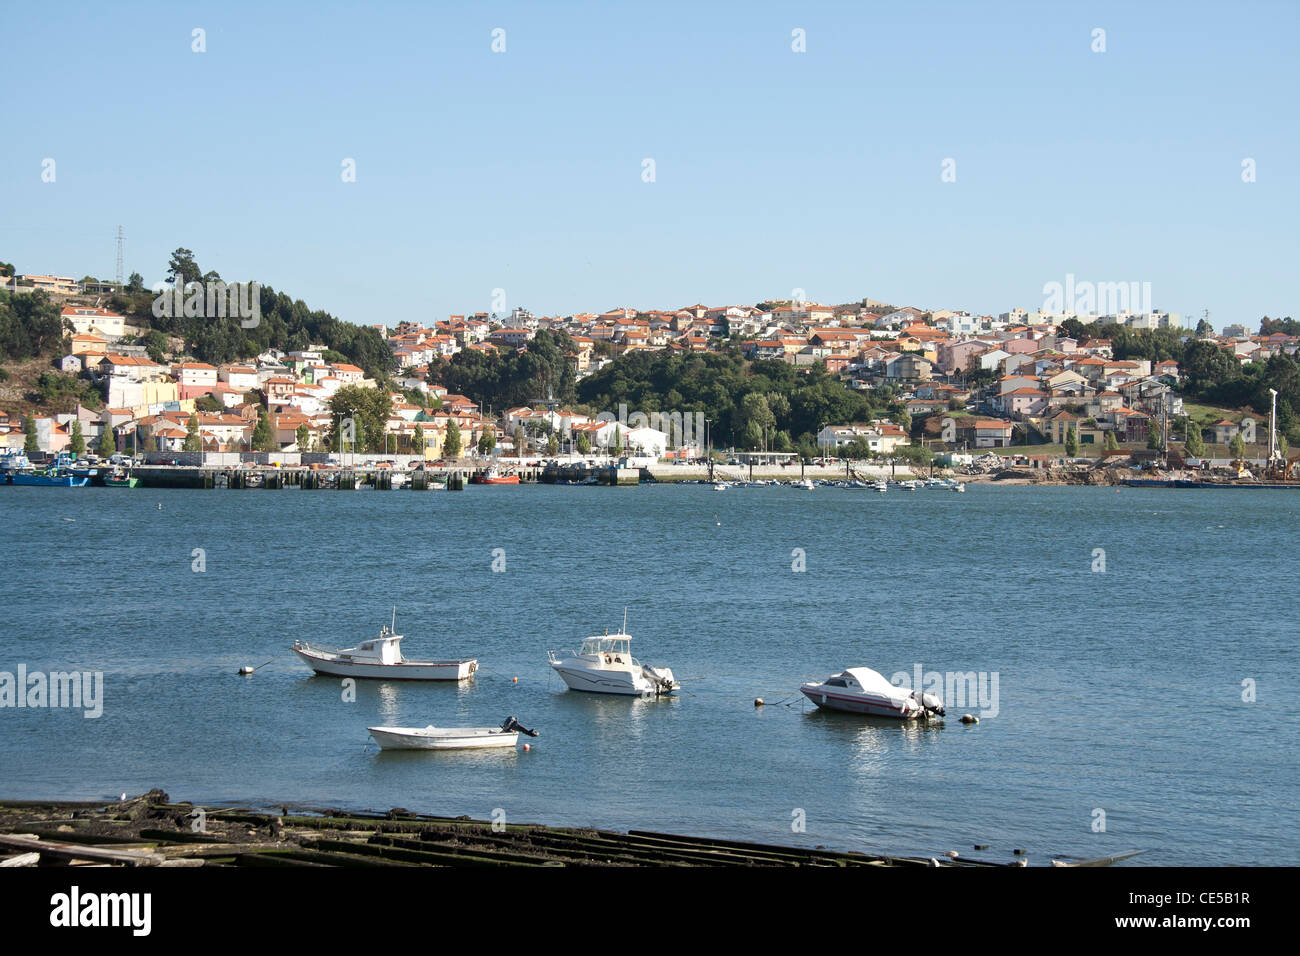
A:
<point x="417" y="442"/>
<point x="107" y="445"/>
<point x="30" y="445"/>
<point x="78" y="443"/>
<point x="302" y="437"/>
<point x="1195" y="445"/>
<point x="1237" y="446"/>
<point x="1071" y="443"/>
<point x="1111" y="443"/>
<point x="451" y="446"/>
<point x="192" y="442"/>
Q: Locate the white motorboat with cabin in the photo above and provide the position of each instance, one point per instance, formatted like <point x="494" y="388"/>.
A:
<point x="860" y="690"/>
<point x="604" y="665"/>
<point x="380" y="658"/>
<point x="450" y="738"/>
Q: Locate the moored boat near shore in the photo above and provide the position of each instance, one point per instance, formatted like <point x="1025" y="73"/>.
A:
<point x="604" y="664"/>
<point x="860" y="690"/>
<point x="450" y="738"/>
<point x="380" y="658"/>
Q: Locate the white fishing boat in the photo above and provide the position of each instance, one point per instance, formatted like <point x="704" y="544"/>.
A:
<point x="380" y="658"/>
<point x="881" y="486"/>
<point x="450" y="738"/>
<point x="720" y="486"/>
<point x="806" y="485"/>
<point x="860" y="690"/>
<point x="959" y="487"/>
<point x="604" y="665"/>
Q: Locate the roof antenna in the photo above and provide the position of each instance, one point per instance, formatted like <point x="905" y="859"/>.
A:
<point x="393" y="629"/>
<point x="624" y="618"/>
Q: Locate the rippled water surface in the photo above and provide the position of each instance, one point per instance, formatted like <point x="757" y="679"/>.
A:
<point x="1118" y="691"/>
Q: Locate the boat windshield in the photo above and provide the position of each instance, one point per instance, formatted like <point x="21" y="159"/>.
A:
<point x="616" y="646"/>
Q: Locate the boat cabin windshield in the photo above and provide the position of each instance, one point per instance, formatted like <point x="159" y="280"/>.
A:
<point x="618" y="649"/>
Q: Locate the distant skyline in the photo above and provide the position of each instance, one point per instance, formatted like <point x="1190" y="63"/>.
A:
<point x="941" y="155"/>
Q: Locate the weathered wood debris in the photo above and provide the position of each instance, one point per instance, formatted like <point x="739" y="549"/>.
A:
<point x="150" y="830"/>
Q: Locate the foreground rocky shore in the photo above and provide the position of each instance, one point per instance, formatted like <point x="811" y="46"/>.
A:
<point x="150" y="830"/>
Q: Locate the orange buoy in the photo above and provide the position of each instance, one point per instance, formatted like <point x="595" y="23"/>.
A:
<point x="527" y="747"/>
<point x="516" y="680"/>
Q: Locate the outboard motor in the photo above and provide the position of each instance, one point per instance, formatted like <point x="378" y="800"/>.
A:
<point x="932" y="705"/>
<point x="511" y="725"/>
<point x="662" y="678"/>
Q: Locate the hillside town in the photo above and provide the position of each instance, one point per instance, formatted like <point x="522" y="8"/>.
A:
<point x="965" y="381"/>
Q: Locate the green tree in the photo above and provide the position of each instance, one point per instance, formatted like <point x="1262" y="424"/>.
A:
<point x="552" y="444"/>
<point x="1195" y="444"/>
<point x="30" y="445"/>
<point x="135" y="284"/>
<point x="1153" y="434"/>
<point x="487" y="440"/>
<point x="78" y="443"/>
<point x="1237" y="446"/>
<point x="618" y="440"/>
<point x="584" y="444"/>
<point x="1071" y="443"/>
<point x="451" y="445"/>
<point x="368" y="409"/>
<point x="1110" y="442"/>
<point x="107" y="445"/>
<point x="264" y="435"/>
<point x="192" y="441"/>
<point x="302" y="437"/>
<point x="417" y="440"/>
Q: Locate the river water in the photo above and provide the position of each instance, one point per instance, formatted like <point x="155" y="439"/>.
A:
<point x="1137" y="649"/>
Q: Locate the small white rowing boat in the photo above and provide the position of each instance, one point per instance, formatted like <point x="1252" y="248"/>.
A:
<point x="449" y="738"/>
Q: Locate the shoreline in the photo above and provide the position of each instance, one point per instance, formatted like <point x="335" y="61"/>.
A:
<point x="150" y="830"/>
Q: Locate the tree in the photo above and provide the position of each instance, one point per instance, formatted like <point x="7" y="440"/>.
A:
<point x="1110" y="442"/>
<point x="183" y="269"/>
<point x="1153" y="434"/>
<point x="487" y="441"/>
<point x="263" y="434"/>
<point x="1071" y="443"/>
<point x="1195" y="444"/>
<point x="584" y="444"/>
<point x="192" y="442"/>
<point x="417" y="440"/>
<point x="135" y="284"/>
<point x="618" y="440"/>
<point x="519" y="440"/>
<point x="302" y="437"/>
<point x="451" y="445"/>
<point x="1203" y="329"/>
<point x="1237" y="447"/>
<point x="368" y="409"/>
<point x="78" y="443"/>
<point x="552" y="444"/>
<point x="107" y="446"/>
<point x="30" y="445"/>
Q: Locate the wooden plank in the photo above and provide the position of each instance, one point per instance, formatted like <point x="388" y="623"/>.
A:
<point x="22" y="859"/>
<point x="68" y="851"/>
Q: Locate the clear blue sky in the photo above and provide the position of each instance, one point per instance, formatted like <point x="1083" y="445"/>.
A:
<point x="774" y="170"/>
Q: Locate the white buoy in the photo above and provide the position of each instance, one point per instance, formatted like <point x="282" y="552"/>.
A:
<point x="246" y="670"/>
<point x="758" y="702"/>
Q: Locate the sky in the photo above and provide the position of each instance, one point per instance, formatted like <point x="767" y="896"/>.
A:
<point x="941" y="155"/>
